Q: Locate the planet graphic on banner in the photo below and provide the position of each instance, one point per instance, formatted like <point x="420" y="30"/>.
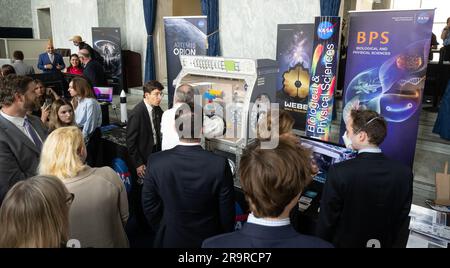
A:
<point x="190" y="39"/>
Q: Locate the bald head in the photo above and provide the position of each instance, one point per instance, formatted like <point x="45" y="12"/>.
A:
<point x="84" y="56"/>
<point x="185" y="94"/>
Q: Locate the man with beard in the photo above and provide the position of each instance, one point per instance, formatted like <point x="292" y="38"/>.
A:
<point x="21" y="135"/>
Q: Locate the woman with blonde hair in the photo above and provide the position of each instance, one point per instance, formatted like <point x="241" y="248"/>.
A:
<point x="61" y="115"/>
<point x="35" y="214"/>
<point x="100" y="212"/>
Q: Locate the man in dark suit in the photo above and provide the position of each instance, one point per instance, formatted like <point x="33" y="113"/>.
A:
<point x="50" y="61"/>
<point x="93" y="70"/>
<point x="272" y="180"/>
<point x="21" y="135"/>
<point x="188" y="192"/>
<point x="366" y="200"/>
<point x="143" y="139"/>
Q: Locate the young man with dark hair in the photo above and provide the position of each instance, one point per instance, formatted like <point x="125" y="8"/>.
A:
<point x="366" y="200"/>
<point x="188" y="192"/>
<point x="20" y="67"/>
<point x="272" y="180"/>
<point x="144" y="138"/>
<point x="21" y="135"/>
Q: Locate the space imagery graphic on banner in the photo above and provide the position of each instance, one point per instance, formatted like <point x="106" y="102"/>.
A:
<point x="294" y="53"/>
<point x="386" y="70"/>
<point x="107" y="42"/>
<point x="184" y="36"/>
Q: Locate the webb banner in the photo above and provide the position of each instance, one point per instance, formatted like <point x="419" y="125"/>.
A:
<point x="386" y="66"/>
<point x="184" y="36"/>
<point x="294" y="55"/>
<point x="323" y="77"/>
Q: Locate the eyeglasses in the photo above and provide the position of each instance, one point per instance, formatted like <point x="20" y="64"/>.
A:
<point x="158" y="94"/>
<point x="70" y="199"/>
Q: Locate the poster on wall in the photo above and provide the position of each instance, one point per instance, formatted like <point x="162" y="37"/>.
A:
<point x="386" y="66"/>
<point x="107" y="42"/>
<point x="294" y="55"/>
<point x="323" y="75"/>
<point x="184" y="36"/>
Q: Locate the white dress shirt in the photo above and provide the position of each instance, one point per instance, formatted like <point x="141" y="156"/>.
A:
<point x="51" y="57"/>
<point x="375" y="150"/>
<point x="150" y="109"/>
<point x="18" y="122"/>
<point x="268" y="222"/>
<point x="169" y="134"/>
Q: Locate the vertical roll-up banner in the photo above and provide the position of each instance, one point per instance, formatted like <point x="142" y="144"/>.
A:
<point x="107" y="42"/>
<point x="323" y="75"/>
<point x="294" y="55"/>
<point x="387" y="60"/>
<point x="184" y="36"/>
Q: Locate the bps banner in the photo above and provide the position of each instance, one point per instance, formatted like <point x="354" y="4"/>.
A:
<point x="323" y="77"/>
<point x="184" y="36"/>
<point x="294" y="55"/>
<point x="107" y="43"/>
<point x="386" y="66"/>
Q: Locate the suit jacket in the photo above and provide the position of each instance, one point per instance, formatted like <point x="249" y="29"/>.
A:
<point x="95" y="74"/>
<point x="19" y="157"/>
<point x="258" y="236"/>
<point x="365" y="198"/>
<point x="188" y="196"/>
<point x="44" y="60"/>
<point x="140" y="133"/>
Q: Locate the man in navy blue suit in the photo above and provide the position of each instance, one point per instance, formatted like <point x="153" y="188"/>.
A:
<point x="49" y="61"/>
<point x="366" y="200"/>
<point x="272" y="180"/>
<point x="188" y="193"/>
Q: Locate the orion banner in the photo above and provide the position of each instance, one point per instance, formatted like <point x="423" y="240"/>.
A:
<point x="323" y="77"/>
<point x="184" y="36"/>
<point x="386" y="66"/>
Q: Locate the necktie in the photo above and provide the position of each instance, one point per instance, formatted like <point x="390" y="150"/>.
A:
<point x="33" y="134"/>
<point x="52" y="57"/>
<point x="156" y="124"/>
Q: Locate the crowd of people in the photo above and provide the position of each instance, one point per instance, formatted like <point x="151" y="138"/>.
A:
<point x="51" y="193"/>
<point x="53" y="188"/>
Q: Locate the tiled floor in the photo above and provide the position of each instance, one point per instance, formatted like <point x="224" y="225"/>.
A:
<point x="430" y="157"/>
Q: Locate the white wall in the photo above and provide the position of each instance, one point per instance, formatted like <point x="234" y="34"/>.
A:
<point x="69" y="17"/>
<point x="111" y="13"/>
<point x="248" y="29"/>
<point x="15" y="13"/>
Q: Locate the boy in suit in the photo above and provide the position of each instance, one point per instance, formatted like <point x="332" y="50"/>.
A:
<point x="272" y="180"/>
<point x="366" y="200"/>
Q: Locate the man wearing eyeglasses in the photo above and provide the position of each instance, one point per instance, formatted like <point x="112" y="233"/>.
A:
<point x="365" y="200"/>
<point x="144" y="132"/>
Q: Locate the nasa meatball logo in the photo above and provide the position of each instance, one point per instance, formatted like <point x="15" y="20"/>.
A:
<point x="325" y="30"/>
<point x="423" y="18"/>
